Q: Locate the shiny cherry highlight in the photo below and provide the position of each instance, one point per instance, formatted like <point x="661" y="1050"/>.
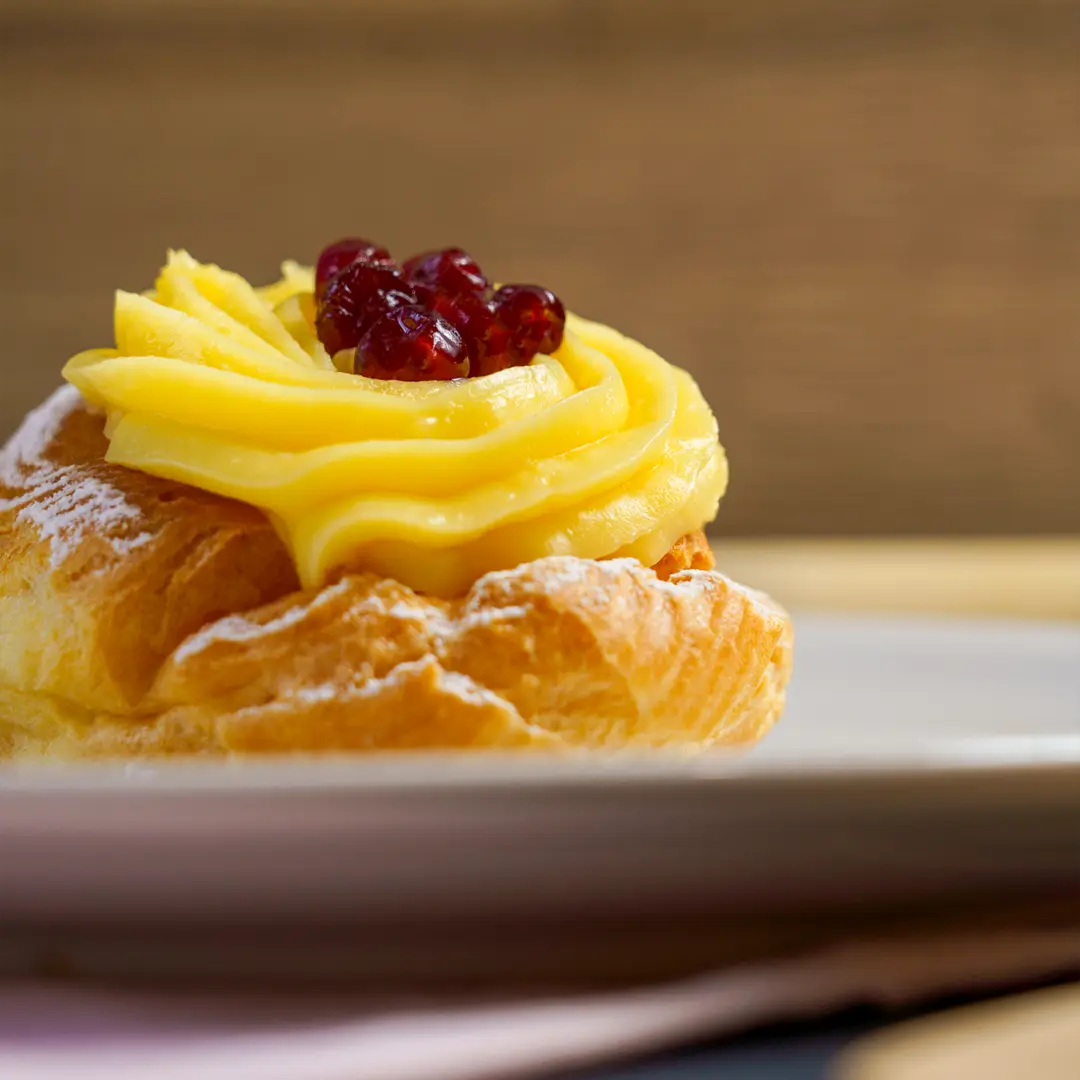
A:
<point x="412" y="344"/>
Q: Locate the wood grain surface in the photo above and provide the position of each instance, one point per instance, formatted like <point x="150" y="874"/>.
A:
<point x="857" y="224"/>
<point x="998" y="577"/>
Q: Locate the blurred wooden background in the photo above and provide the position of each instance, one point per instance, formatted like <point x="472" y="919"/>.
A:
<point x="857" y="223"/>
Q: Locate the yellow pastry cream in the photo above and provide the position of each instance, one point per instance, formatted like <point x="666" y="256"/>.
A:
<point x="600" y="449"/>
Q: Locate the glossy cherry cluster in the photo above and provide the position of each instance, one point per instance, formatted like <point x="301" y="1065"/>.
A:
<point x="436" y="316"/>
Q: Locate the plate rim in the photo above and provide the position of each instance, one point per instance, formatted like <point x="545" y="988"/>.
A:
<point x="1049" y="757"/>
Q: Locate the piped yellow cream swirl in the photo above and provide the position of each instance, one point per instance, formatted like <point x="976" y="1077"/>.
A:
<point x="602" y="449"/>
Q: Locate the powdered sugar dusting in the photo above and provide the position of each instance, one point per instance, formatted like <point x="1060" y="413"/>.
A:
<point x="431" y="619"/>
<point x="563" y="570"/>
<point x="558" y="571"/>
<point x="401" y="609"/>
<point x="233" y="629"/>
<point x="23" y="451"/>
<point x="450" y="682"/>
<point x="470" y="691"/>
<point x="64" y="503"/>
<point x="699" y="581"/>
<point x="72" y="506"/>
<point x="590" y="580"/>
<point x="487" y="616"/>
<point x="240" y="628"/>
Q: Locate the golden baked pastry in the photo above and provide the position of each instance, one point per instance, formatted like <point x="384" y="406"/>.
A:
<point x="143" y="615"/>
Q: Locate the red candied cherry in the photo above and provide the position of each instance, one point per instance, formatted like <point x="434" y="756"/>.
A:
<point x="534" y="316"/>
<point x="487" y="340"/>
<point x="354" y="298"/>
<point x="412" y="344"/>
<point x="451" y="271"/>
<point x="334" y="259"/>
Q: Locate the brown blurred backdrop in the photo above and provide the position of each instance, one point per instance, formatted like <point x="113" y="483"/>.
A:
<point x="857" y="223"/>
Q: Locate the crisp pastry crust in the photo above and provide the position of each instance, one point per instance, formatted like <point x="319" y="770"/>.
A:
<point x="690" y="552"/>
<point x="140" y="616"/>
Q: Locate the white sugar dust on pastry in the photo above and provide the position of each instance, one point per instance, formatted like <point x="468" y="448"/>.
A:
<point x="370" y="507"/>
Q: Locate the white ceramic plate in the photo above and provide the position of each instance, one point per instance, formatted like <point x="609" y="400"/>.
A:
<point x="916" y="758"/>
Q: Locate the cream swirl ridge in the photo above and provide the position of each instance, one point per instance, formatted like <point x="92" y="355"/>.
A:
<point x="601" y="449"/>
